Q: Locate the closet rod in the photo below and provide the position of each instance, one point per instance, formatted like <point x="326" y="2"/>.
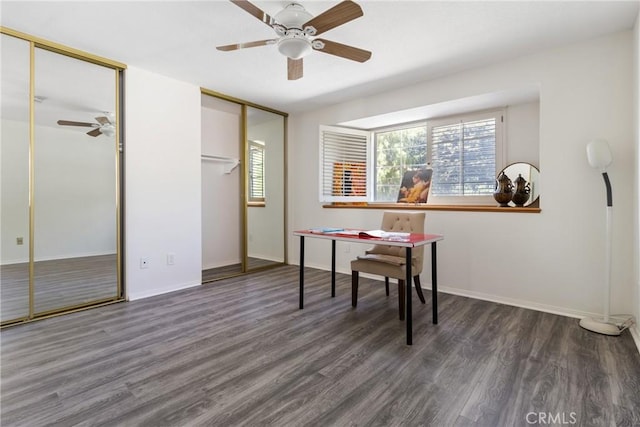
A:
<point x="231" y="162"/>
<point x="219" y="158"/>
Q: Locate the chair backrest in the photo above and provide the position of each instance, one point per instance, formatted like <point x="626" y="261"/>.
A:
<point x="407" y="222"/>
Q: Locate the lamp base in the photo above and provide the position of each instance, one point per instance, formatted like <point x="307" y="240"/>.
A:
<point x="599" y="326"/>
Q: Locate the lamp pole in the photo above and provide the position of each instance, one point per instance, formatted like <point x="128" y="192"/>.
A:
<point x="599" y="156"/>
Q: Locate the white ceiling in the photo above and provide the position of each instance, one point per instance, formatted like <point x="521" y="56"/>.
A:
<point x="411" y="41"/>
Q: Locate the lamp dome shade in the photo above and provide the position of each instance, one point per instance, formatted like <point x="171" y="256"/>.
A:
<point x="294" y="47"/>
<point x="599" y="154"/>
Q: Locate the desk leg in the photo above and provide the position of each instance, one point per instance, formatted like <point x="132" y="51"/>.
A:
<point x="333" y="268"/>
<point x="409" y="293"/>
<point x="301" y="272"/>
<point x="434" y="283"/>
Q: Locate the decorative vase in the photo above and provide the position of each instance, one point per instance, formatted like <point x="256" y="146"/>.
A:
<point x="522" y="192"/>
<point x="504" y="190"/>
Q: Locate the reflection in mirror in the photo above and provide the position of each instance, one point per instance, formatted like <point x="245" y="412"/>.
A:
<point x="265" y="188"/>
<point x="14" y="265"/>
<point x="75" y="195"/>
<point x="532" y="176"/>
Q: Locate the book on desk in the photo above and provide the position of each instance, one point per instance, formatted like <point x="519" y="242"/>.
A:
<point x="366" y="234"/>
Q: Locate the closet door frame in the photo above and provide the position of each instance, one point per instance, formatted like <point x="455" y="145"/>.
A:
<point x="243" y="179"/>
<point x="36" y="42"/>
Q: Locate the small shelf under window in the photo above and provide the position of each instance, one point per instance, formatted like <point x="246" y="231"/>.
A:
<point x="412" y="206"/>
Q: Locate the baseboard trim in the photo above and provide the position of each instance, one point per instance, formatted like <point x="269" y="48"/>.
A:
<point x="552" y="309"/>
<point x="561" y="311"/>
<point x="153" y="292"/>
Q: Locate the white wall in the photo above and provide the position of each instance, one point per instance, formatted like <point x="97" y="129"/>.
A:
<point x="551" y="261"/>
<point x="221" y="196"/>
<point x="523" y="133"/>
<point x="75" y="193"/>
<point x="162" y="166"/>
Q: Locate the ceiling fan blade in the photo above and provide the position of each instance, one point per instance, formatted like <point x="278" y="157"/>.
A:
<point x="94" y="132"/>
<point x="343" y="50"/>
<point x="103" y="120"/>
<point x="254" y="10"/>
<point x="237" y="46"/>
<point x="337" y="15"/>
<point x="294" y="69"/>
<point x="70" y="123"/>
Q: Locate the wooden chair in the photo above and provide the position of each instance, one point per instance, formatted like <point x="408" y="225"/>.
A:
<point x="389" y="261"/>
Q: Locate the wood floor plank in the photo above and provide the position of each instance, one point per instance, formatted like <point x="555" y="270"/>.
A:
<point x="239" y="352"/>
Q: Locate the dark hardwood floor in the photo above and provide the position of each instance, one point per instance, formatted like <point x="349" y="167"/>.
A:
<point x="239" y="352"/>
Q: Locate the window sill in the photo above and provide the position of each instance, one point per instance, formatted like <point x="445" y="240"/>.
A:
<point x="427" y="207"/>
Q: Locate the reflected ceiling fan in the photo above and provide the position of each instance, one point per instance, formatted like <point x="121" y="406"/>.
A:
<point x="295" y="28"/>
<point x="104" y="125"/>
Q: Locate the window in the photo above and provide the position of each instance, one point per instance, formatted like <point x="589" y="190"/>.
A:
<point x="256" y="172"/>
<point x="343" y="164"/>
<point x="397" y="150"/>
<point x="464" y="152"/>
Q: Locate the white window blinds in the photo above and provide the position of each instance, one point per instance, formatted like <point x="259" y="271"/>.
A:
<point x="463" y="156"/>
<point x="343" y="164"/>
<point x="256" y="171"/>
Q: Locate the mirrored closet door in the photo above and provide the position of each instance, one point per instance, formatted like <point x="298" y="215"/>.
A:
<point x="265" y="188"/>
<point x="75" y="227"/>
<point x="14" y="268"/>
<point x="243" y="187"/>
<point x="60" y="181"/>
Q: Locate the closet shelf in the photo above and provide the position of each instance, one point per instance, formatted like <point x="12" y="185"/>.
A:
<point x="230" y="163"/>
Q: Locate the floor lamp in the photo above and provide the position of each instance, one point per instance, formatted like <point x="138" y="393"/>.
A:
<point x="599" y="157"/>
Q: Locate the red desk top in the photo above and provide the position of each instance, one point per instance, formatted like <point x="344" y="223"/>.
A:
<point x="353" y="235"/>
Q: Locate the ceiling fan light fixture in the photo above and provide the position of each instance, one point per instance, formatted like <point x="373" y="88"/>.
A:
<point x="293" y="15"/>
<point x="294" y="46"/>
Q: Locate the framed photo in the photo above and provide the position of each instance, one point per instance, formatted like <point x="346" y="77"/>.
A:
<point x="415" y="186"/>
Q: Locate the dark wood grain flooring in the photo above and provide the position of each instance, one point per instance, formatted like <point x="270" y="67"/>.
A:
<point x="238" y="352"/>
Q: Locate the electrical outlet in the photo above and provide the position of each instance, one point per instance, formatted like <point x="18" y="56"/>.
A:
<point x="144" y="262"/>
<point x="171" y="259"/>
<point x="19" y="241"/>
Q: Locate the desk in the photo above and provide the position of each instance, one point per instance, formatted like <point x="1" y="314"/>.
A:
<point x="414" y="240"/>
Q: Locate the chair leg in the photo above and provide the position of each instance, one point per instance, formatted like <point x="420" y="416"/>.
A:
<point x="401" y="295"/>
<point x="416" y="280"/>
<point x="354" y="288"/>
<point x="386" y="285"/>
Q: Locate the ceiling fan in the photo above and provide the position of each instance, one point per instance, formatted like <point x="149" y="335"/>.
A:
<point x="103" y="126"/>
<point x="295" y="28"/>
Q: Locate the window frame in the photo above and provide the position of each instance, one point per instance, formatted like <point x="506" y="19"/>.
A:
<point x="500" y="114"/>
<point x="251" y="199"/>
<point x="360" y="137"/>
<point x="500" y="151"/>
<point x="374" y="151"/>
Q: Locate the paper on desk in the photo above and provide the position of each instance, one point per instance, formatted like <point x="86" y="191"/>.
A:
<point x="326" y="230"/>
<point x="384" y="234"/>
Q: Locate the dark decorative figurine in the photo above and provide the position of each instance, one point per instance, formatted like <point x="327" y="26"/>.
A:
<point x="504" y="190"/>
<point x="523" y="189"/>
